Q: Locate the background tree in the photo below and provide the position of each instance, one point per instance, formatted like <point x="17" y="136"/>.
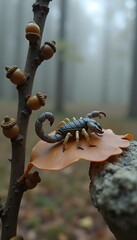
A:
<point x="106" y="53"/>
<point x="2" y="43"/>
<point x="133" y="95"/>
<point x="60" y="61"/>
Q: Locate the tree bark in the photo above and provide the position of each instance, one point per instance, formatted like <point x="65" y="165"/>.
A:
<point x="113" y="192"/>
<point x="9" y="214"/>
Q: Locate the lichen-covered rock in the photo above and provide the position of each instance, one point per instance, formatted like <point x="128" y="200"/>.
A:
<point x="113" y="191"/>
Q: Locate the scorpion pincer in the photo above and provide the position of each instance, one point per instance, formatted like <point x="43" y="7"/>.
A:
<point x="67" y="128"/>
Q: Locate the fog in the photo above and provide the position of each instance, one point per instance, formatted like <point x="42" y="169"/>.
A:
<point x="96" y="43"/>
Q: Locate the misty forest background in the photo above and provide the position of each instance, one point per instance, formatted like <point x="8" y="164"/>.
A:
<point x="96" y="58"/>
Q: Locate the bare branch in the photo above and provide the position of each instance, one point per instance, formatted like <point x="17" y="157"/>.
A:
<point x="9" y="215"/>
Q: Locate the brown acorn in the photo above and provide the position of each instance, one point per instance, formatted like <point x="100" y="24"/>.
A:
<point x="17" y="238"/>
<point x="47" y="50"/>
<point x="32" y="32"/>
<point x="10" y="128"/>
<point x="16" y="75"/>
<point x="35" y="102"/>
<point x="32" y="180"/>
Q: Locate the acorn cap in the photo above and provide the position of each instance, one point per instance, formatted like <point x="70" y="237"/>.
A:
<point x="8" y="122"/>
<point x="32" y="37"/>
<point x="10" y="70"/>
<point x="52" y="45"/>
<point x="41" y="97"/>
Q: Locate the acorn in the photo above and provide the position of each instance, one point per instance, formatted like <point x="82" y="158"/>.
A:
<point x="48" y="50"/>
<point x="17" y="238"/>
<point x="32" y="32"/>
<point x="10" y="127"/>
<point x="32" y="179"/>
<point x="37" y="101"/>
<point x="16" y="75"/>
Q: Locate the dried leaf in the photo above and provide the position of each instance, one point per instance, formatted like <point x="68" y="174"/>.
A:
<point x="86" y="222"/>
<point x="62" y="236"/>
<point x="48" y="156"/>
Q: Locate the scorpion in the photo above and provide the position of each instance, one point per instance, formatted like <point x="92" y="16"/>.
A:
<point x="67" y="128"/>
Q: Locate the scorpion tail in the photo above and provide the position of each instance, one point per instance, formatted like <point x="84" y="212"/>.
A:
<point x="40" y="132"/>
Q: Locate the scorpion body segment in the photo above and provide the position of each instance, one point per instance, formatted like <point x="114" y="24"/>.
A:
<point x="69" y="128"/>
<point x="78" y="125"/>
<point x="72" y="127"/>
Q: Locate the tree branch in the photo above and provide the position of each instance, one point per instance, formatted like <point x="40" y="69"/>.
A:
<point x="9" y="215"/>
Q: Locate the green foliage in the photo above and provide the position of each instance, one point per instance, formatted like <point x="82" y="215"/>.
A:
<point x="33" y="222"/>
<point x="52" y="233"/>
<point x="45" y="201"/>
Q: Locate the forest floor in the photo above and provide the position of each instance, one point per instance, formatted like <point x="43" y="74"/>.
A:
<point x="59" y="208"/>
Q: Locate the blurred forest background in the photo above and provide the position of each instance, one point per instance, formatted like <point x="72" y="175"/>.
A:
<point x="94" y="69"/>
<point x="96" y="58"/>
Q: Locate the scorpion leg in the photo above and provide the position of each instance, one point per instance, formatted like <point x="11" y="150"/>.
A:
<point x="73" y="118"/>
<point x="60" y="124"/>
<point x="66" y="140"/>
<point x="66" y="120"/>
<point x="86" y="135"/>
<point x="77" y="141"/>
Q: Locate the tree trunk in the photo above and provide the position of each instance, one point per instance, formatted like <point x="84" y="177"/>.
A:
<point x="106" y="52"/>
<point x="2" y="44"/>
<point x="60" y="61"/>
<point x="133" y="95"/>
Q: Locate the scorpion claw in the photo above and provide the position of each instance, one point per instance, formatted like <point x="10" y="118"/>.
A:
<point x="95" y="127"/>
<point x="98" y="130"/>
<point x="99" y="135"/>
<point x="102" y="113"/>
<point x="95" y="114"/>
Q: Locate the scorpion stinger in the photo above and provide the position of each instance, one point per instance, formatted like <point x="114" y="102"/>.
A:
<point x="67" y="128"/>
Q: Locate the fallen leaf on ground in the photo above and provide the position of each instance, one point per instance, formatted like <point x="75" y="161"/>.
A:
<point x="62" y="236"/>
<point x="86" y="222"/>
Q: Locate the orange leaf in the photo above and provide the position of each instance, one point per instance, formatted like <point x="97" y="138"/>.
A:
<point x="49" y="156"/>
